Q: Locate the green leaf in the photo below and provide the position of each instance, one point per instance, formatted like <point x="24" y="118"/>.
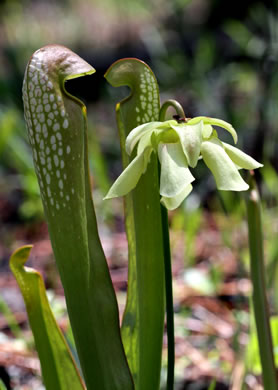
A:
<point x="240" y="158"/>
<point x="57" y="127"/>
<point x="58" y="368"/>
<point x="2" y="385"/>
<point x="212" y="385"/>
<point x="10" y="319"/>
<point x="191" y="139"/>
<point x="130" y="176"/>
<point x="143" y="321"/>
<point x="175" y="175"/>
<point x="223" y="169"/>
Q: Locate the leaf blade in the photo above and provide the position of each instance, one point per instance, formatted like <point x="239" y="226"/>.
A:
<point x="58" y="367"/>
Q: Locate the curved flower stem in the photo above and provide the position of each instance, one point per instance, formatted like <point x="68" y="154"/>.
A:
<point x="171" y="103"/>
<point x="261" y="310"/>
<point x="168" y="267"/>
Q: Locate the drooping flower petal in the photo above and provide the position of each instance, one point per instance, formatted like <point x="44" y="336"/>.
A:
<point x="207" y="131"/>
<point x="135" y="135"/>
<point x="215" y="122"/>
<point x="166" y="136"/>
<point x="241" y="159"/>
<point x="191" y="139"/>
<point x="152" y="138"/>
<point x="175" y="175"/>
<point x="174" y="202"/>
<point x="222" y="167"/>
<point x="130" y="176"/>
<point x="144" y="142"/>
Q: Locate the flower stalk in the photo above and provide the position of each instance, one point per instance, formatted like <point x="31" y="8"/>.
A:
<point x="168" y="268"/>
<point x="259" y="298"/>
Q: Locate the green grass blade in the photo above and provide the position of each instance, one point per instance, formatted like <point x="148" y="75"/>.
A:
<point x="10" y="318"/>
<point x="58" y="368"/>
<point x="2" y="386"/>
<point x="261" y="310"/>
<point x="57" y="127"/>
<point x="143" y="321"/>
<point x="212" y="385"/>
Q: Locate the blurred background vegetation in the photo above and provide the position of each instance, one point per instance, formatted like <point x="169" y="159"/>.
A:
<point x="216" y="58"/>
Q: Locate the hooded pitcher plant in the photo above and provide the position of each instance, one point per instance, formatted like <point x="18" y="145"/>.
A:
<point x="143" y="319"/>
<point x="179" y="146"/>
<point x="57" y="131"/>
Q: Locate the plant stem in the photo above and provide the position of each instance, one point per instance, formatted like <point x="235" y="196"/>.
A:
<point x="169" y="300"/>
<point x="261" y="310"/>
<point x="170" y="103"/>
<point x="168" y="267"/>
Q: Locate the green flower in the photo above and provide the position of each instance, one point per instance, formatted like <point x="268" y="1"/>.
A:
<point x="180" y="146"/>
